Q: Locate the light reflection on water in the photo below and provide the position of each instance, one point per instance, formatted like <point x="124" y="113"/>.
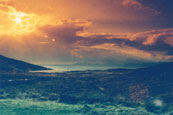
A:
<point x="63" y="68"/>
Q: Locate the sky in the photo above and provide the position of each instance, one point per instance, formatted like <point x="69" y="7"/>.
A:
<point x="106" y="32"/>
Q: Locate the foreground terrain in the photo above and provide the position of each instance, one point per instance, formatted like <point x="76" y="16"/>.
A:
<point x="146" y="91"/>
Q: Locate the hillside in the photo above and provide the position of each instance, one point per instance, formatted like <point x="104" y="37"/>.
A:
<point x="145" y="91"/>
<point x="9" y="64"/>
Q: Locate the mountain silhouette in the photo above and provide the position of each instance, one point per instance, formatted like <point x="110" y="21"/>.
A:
<point x="9" y="64"/>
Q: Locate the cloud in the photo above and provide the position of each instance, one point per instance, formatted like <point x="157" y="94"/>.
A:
<point x="107" y="15"/>
<point x="4" y="1"/>
<point x="132" y="3"/>
<point x="155" y="45"/>
<point x="48" y="43"/>
<point x="68" y="40"/>
<point x="169" y="40"/>
<point x="66" y="31"/>
<point x="136" y="6"/>
<point x="5" y="9"/>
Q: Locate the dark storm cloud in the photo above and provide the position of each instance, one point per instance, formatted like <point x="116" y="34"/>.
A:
<point x="64" y="34"/>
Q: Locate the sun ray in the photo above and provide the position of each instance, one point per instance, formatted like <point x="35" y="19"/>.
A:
<point x="22" y="22"/>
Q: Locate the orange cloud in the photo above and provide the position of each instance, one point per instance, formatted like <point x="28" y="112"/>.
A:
<point x="62" y="43"/>
<point x="155" y="45"/>
<point x="65" y="32"/>
<point x="115" y="52"/>
<point x="132" y="3"/>
<point x="169" y="40"/>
